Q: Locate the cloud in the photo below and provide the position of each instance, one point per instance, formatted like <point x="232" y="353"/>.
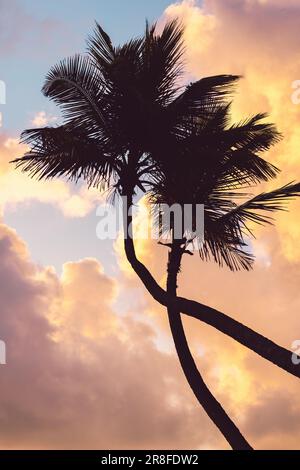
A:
<point x="42" y="119"/>
<point x="241" y="37"/>
<point x="17" y="188"/>
<point x="80" y="376"/>
<point x="23" y="32"/>
<point x="265" y="299"/>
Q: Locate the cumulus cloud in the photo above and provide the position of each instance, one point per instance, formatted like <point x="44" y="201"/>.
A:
<point x="80" y="376"/>
<point x="42" y="119"/>
<point x="265" y="299"/>
<point x="241" y="37"/>
<point x="17" y="188"/>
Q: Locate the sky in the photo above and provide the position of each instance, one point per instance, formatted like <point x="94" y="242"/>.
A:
<point x="90" y="361"/>
<point x="34" y="36"/>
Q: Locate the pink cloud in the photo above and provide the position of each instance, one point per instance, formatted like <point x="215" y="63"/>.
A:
<point x="78" y="375"/>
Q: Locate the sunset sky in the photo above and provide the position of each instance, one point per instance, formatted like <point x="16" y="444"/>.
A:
<point x="90" y="361"/>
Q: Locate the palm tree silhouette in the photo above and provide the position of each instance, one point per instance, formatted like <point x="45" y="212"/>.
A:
<point x="129" y="126"/>
<point x="215" y="167"/>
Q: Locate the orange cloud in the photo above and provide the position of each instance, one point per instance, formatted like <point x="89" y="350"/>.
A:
<point x="17" y="188"/>
<point x="42" y="119"/>
<point x="241" y="37"/>
<point x="77" y="374"/>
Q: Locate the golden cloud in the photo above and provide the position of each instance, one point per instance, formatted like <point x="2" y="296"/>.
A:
<point x="241" y="37"/>
<point x="80" y="376"/>
<point x="17" y="188"/>
<point x="105" y="374"/>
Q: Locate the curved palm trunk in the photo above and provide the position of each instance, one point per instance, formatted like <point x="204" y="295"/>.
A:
<point x="258" y="343"/>
<point x="212" y="407"/>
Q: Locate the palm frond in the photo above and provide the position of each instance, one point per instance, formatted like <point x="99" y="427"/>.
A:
<point x="61" y="151"/>
<point x="267" y="202"/>
<point x="234" y="256"/>
<point x="198" y="97"/>
<point x="247" y="167"/>
<point x="252" y="134"/>
<point x="77" y="86"/>
<point x="162" y="60"/>
<point x="124" y="72"/>
<point x="101" y="49"/>
<point x="128" y="124"/>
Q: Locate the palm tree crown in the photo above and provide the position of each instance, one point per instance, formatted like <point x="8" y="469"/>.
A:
<point x="217" y="165"/>
<point x="127" y="123"/>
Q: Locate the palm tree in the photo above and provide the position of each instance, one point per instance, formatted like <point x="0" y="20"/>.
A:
<point x="127" y="127"/>
<point x="205" y="172"/>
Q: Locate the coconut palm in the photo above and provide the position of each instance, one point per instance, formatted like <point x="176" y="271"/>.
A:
<point x="205" y="171"/>
<point x="216" y="166"/>
<point x="127" y="125"/>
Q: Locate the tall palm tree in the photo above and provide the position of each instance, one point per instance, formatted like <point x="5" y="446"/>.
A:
<point x="127" y="126"/>
<point x="205" y="172"/>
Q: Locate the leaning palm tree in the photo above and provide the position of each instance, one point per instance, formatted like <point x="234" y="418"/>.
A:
<point x="205" y="172"/>
<point x="128" y="127"/>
